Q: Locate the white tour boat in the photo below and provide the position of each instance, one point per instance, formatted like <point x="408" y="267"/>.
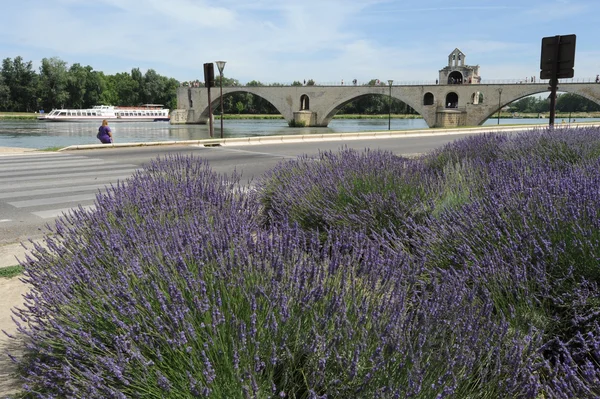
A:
<point x="142" y="113"/>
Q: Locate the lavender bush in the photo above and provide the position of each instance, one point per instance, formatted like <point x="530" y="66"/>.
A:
<point x="373" y="190"/>
<point x="350" y="276"/>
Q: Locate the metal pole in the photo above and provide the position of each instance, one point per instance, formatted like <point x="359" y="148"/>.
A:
<point x="554" y="82"/>
<point x="221" y="103"/>
<point x="221" y="66"/>
<point x="499" y="104"/>
<point x="390" y="106"/>
<point x="210" y="116"/>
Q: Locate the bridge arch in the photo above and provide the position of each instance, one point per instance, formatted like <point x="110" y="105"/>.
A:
<point x="304" y="103"/>
<point x="532" y="89"/>
<point x="451" y="100"/>
<point x="455" y="77"/>
<point x="274" y="101"/>
<point x="428" y="98"/>
<point x="477" y="98"/>
<point x="332" y="111"/>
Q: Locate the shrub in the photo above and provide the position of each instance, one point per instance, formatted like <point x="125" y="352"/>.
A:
<point x="172" y="289"/>
<point x="352" y="275"/>
<point x="373" y="191"/>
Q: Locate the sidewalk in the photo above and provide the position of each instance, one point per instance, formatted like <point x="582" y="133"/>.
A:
<point x="13" y="291"/>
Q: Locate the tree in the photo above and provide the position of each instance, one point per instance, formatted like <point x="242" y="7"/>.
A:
<point x="121" y="90"/>
<point x="53" y="83"/>
<point x="4" y="95"/>
<point x="137" y="75"/>
<point x="152" y="87"/>
<point x="256" y="104"/>
<point x="569" y="102"/>
<point x="21" y="80"/>
<point x="95" y="85"/>
<point x="76" y="86"/>
<point x="168" y="96"/>
<point x="240" y="106"/>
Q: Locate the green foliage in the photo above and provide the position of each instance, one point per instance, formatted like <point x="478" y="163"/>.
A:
<point x="51" y="149"/>
<point x="57" y="86"/>
<point x="569" y="102"/>
<point x="21" y="80"/>
<point x="10" y="271"/>
<point x="295" y="123"/>
<point x="565" y="102"/>
<point x="53" y="80"/>
<point x="239" y="106"/>
<point x="376" y="104"/>
<point x="531" y="104"/>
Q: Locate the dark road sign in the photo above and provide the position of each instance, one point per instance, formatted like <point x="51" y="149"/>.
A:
<point x="558" y="56"/>
<point x="556" y="62"/>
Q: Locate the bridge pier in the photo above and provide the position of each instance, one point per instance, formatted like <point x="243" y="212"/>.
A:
<point x="305" y="118"/>
<point x="450" y="117"/>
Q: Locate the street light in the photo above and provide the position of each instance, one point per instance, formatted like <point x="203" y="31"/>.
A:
<point x="390" y="105"/>
<point x="221" y="66"/>
<point x="499" y="103"/>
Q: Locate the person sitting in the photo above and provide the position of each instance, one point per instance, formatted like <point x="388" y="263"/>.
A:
<point x="104" y="133"/>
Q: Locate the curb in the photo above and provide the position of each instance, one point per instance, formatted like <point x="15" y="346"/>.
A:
<point x="214" y="142"/>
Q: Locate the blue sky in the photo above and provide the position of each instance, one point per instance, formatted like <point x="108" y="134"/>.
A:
<point x="282" y="41"/>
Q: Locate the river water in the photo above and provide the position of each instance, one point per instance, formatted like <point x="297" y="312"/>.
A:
<point x="41" y="134"/>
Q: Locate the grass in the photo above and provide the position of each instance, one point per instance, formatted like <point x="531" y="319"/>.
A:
<point x="10" y="271"/>
<point x="51" y="149"/>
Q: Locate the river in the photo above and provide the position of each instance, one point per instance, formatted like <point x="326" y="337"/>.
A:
<point x="41" y="134"/>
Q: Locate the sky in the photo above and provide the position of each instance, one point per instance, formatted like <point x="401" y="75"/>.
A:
<point x="281" y="41"/>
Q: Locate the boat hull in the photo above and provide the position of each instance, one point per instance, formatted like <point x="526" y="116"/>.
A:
<point x="143" y="113"/>
<point x="100" y="119"/>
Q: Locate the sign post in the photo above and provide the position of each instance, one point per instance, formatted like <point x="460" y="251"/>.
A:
<point x="209" y="81"/>
<point x="556" y="62"/>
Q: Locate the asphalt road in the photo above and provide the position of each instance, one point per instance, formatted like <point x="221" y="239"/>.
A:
<point x="37" y="187"/>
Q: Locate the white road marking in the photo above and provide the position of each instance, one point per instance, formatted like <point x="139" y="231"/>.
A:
<point x="53" y="213"/>
<point x="54" y="200"/>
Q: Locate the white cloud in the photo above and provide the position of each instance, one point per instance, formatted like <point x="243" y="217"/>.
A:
<point x="282" y="41"/>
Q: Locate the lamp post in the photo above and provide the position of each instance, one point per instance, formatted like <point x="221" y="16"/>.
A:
<point x="221" y="66"/>
<point x="499" y="103"/>
<point x="390" y="105"/>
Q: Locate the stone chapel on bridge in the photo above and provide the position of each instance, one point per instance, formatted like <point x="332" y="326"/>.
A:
<point x="457" y="72"/>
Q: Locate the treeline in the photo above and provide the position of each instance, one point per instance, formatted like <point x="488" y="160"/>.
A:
<point x="56" y="85"/>
<point x="566" y="102"/>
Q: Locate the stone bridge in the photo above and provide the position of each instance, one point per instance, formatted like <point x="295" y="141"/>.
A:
<point x="440" y="105"/>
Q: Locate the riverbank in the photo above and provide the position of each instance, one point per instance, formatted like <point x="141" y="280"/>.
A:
<point x="503" y="115"/>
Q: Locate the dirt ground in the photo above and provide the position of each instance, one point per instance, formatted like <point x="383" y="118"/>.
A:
<point x="11" y="295"/>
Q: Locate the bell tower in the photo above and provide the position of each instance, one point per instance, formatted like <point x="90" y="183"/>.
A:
<point x="452" y="108"/>
<point x="457" y="72"/>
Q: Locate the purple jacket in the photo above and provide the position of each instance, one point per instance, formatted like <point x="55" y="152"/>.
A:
<point x="103" y="134"/>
